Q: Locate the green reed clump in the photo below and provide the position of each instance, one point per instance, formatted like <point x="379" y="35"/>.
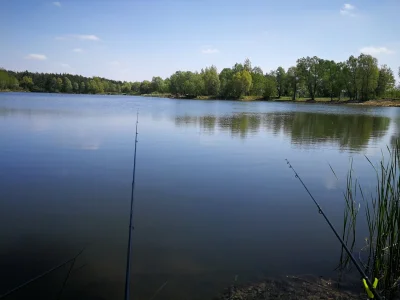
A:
<point x="382" y="212"/>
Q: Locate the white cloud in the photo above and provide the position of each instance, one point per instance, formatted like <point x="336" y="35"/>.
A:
<point x="56" y="3"/>
<point x="77" y="50"/>
<point x="82" y="37"/>
<point x="348" y="6"/>
<point x="86" y="37"/>
<point x="210" y="51"/>
<point x="115" y="63"/>
<point x="36" y="56"/>
<point x="347" y="10"/>
<point x="376" y="50"/>
<point x="65" y="66"/>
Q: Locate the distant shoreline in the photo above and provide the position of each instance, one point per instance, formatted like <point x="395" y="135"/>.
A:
<point x="373" y="103"/>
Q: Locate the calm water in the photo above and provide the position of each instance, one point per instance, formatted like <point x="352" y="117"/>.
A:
<point x="214" y="196"/>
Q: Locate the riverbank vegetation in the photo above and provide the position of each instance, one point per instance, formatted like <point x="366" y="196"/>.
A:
<point x="380" y="255"/>
<point x="357" y="79"/>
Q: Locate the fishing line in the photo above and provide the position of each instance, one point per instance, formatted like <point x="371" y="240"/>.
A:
<point x="370" y="288"/>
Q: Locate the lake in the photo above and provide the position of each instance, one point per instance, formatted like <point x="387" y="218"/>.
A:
<point x="214" y="198"/>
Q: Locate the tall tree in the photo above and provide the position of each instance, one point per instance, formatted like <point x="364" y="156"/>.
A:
<point x="82" y="88"/>
<point x="270" y="87"/>
<point x="331" y="78"/>
<point x="226" y="82"/>
<point x="258" y="84"/>
<point x="157" y="84"/>
<point x="311" y="70"/>
<point x="211" y="81"/>
<point x="75" y="87"/>
<point x="26" y="83"/>
<point x="59" y="85"/>
<point x="293" y="79"/>
<point x="350" y="73"/>
<point x="3" y="79"/>
<point x="367" y="76"/>
<point x="136" y="87"/>
<point x="257" y="70"/>
<point x="280" y="80"/>
<point x="247" y="65"/>
<point x="386" y="80"/>
<point x="67" y="85"/>
<point x="145" y="87"/>
<point x="125" y="88"/>
<point x="241" y="83"/>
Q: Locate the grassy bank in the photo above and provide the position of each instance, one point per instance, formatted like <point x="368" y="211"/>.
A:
<point x="375" y="102"/>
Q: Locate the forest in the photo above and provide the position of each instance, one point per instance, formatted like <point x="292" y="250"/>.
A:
<point x="358" y="78"/>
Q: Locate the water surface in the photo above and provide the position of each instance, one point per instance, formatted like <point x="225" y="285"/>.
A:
<point x="214" y="197"/>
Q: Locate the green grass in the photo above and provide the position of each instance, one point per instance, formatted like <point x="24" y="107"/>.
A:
<point x="382" y="213"/>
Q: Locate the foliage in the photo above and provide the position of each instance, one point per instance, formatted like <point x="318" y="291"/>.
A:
<point x="270" y="87"/>
<point x="226" y="87"/>
<point x="386" y="81"/>
<point x="382" y="246"/>
<point x="280" y="81"/>
<point x="358" y="78"/>
<point x="8" y="81"/>
<point x="258" y="83"/>
<point x="241" y="83"/>
<point x="211" y="80"/>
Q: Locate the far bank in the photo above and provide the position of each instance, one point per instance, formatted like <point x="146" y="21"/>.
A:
<point x="374" y="102"/>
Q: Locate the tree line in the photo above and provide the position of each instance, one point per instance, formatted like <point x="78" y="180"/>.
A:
<point x="358" y="78"/>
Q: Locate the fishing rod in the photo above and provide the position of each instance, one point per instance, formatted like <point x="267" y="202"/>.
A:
<point x="370" y="288"/>
<point x="44" y="274"/>
<point x="129" y="249"/>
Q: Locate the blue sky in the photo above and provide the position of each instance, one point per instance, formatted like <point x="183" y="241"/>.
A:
<point x="137" y="39"/>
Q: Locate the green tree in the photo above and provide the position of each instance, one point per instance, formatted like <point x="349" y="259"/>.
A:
<point x="125" y="88"/>
<point x="99" y="86"/>
<point x="13" y="83"/>
<point x="293" y="80"/>
<point x="237" y="68"/>
<point x="367" y="77"/>
<point x="67" y="86"/>
<point x="332" y="78"/>
<point x="241" y="83"/>
<point x="157" y="84"/>
<point x="226" y="83"/>
<point x="350" y="73"/>
<point x="258" y="84"/>
<point x="136" y="87"/>
<point x="145" y="87"/>
<point x="211" y="81"/>
<point x="177" y="80"/>
<point x="280" y="80"/>
<point x="26" y="83"/>
<point x="92" y="87"/>
<point x="59" y="85"/>
<point x="118" y="88"/>
<point x="247" y="65"/>
<point x="386" y="81"/>
<point x="270" y="87"/>
<point x="311" y="69"/>
<point x="82" y="87"/>
<point x="167" y="85"/>
<point x="75" y="87"/>
<point x="3" y="79"/>
<point x="257" y="70"/>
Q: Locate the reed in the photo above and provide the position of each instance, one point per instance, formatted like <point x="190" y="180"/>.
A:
<point x="382" y="212"/>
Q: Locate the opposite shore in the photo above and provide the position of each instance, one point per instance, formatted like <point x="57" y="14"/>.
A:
<point x="374" y="102"/>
